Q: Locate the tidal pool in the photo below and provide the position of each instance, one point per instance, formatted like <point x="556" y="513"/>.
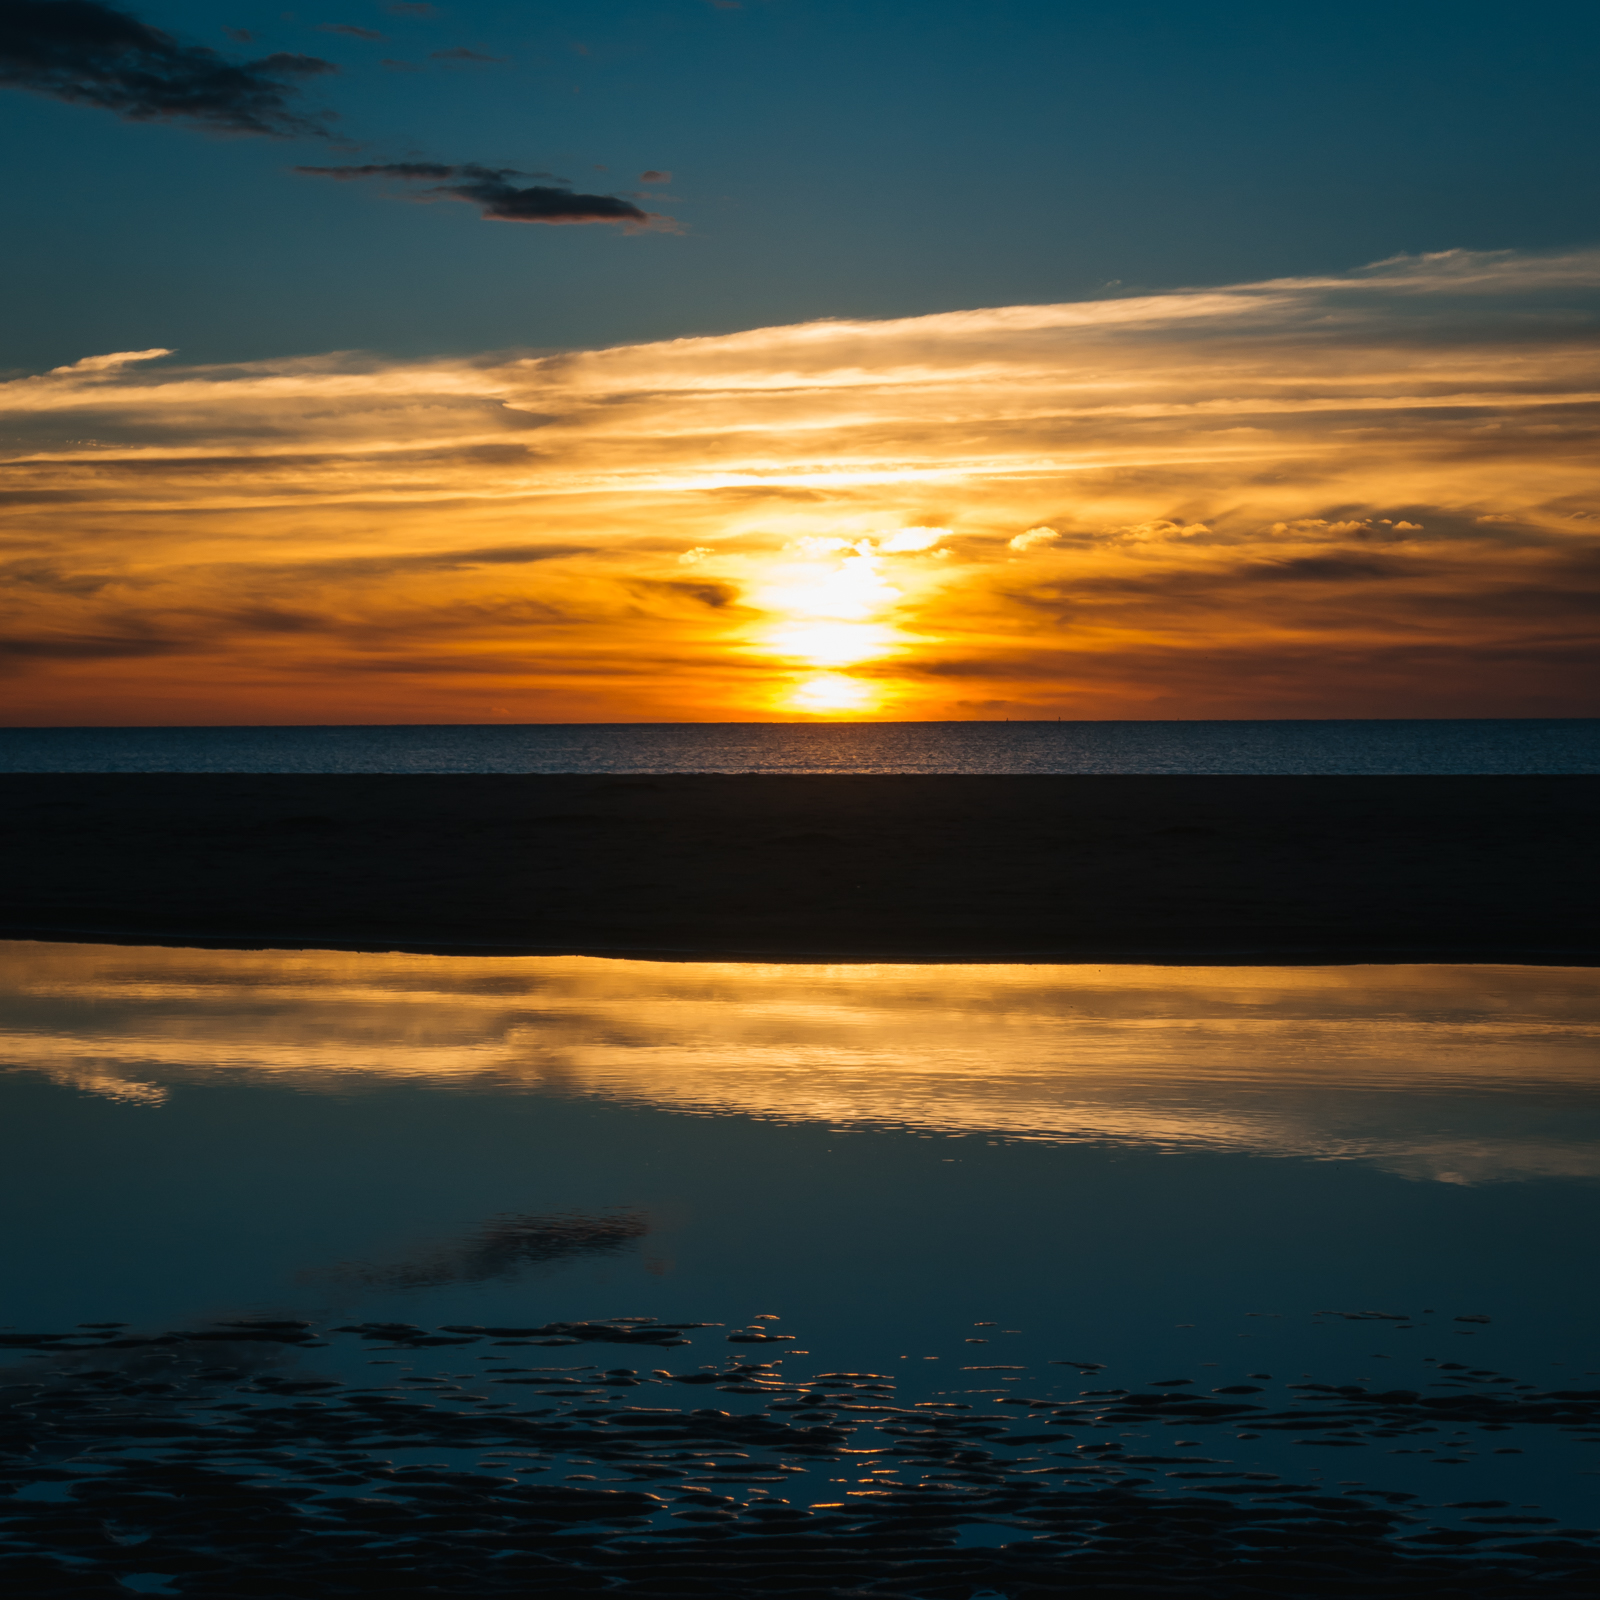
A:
<point x="931" y="1234"/>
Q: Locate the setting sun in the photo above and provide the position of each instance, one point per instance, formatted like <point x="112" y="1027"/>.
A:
<point x="831" y="644"/>
<point x="837" y="603"/>
<point x="831" y="693"/>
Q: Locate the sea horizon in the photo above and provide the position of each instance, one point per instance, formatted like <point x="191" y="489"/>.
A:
<point x="1444" y="746"/>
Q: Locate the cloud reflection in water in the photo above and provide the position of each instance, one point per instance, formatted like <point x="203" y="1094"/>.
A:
<point x="501" y="1248"/>
<point x="1450" y="1073"/>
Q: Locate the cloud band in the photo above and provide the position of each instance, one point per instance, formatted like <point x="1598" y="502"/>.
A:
<point x="1367" y="495"/>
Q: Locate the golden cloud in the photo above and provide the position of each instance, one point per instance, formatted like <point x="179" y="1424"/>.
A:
<point x="1372" y="494"/>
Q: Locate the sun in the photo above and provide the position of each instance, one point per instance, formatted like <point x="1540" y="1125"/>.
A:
<point x="831" y="691"/>
<point x="831" y="644"/>
<point x="831" y="607"/>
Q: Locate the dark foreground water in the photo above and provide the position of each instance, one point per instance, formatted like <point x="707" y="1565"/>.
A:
<point x="1467" y="746"/>
<point x="350" y="1274"/>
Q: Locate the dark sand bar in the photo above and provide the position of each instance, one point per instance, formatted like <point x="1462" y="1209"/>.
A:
<point x="1192" y="869"/>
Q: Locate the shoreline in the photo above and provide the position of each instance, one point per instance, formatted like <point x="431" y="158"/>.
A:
<point x="816" y="869"/>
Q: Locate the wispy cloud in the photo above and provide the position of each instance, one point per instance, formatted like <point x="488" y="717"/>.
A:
<point x="490" y="188"/>
<point x="1374" y="494"/>
<point x="461" y="53"/>
<point x="92" y="54"/>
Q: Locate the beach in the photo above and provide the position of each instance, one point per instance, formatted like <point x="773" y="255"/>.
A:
<point x="837" y="867"/>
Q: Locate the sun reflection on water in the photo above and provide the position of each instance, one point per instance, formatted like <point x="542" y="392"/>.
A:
<point x="1454" y="1074"/>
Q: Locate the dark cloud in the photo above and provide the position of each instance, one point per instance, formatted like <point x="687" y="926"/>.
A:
<point x="461" y="53"/>
<point x="489" y="187"/>
<point x="90" y="54"/>
<point x="353" y="31"/>
<point x="54" y="578"/>
<point x="337" y="568"/>
<point x="291" y="576"/>
<point x="407" y="171"/>
<point x="1484" y="594"/>
<point x="503" y="202"/>
<point x="276" y="619"/>
<point x="128" y="628"/>
<point x="1337" y="568"/>
<point x="715" y="595"/>
<point x="655" y="176"/>
<point x="94" y="647"/>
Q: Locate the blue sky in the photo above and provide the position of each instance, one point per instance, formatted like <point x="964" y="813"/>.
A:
<point x="827" y="159"/>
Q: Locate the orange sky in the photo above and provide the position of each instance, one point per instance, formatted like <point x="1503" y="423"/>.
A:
<point x="1374" y="495"/>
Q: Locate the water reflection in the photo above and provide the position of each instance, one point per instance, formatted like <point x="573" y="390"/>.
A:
<point x="1456" y="1074"/>
<point x="500" y="1248"/>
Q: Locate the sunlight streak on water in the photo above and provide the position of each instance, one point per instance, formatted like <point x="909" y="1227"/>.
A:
<point x="1457" y="1074"/>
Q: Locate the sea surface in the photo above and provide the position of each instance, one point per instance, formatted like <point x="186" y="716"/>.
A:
<point x="1016" y="1258"/>
<point x="1466" y="746"/>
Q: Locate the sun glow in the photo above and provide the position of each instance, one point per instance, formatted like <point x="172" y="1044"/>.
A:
<point x="823" y="583"/>
<point x="835" y="607"/>
<point x="831" y="692"/>
<point x="832" y="644"/>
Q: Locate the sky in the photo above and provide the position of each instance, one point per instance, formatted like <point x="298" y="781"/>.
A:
<point x="701" y="361"/>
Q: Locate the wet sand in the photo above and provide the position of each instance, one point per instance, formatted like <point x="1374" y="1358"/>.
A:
<point x="214" y="1463"/>
<point x="1278" y="869"/>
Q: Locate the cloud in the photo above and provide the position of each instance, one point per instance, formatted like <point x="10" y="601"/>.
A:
<point x="913" y="539"/>
<point x="405" y="171"/>
<point x="714" y="595"/>
<point x="488" y="187"/>
<point x="504" y="202"/>
<point x="1164" y="530"/>
<point x="1033" y="538"/>
<point x="1370" y="495"/>
<point x="91" y="54"/>
<point x="653" y="176"/>
<point x="107" y="363"/>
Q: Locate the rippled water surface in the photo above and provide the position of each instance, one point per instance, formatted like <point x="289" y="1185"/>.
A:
<point x="959" y="1187"/>
<point x="1364" y="747"/>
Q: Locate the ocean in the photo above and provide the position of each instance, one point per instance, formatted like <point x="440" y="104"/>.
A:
<point x="1463" y="746"/>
